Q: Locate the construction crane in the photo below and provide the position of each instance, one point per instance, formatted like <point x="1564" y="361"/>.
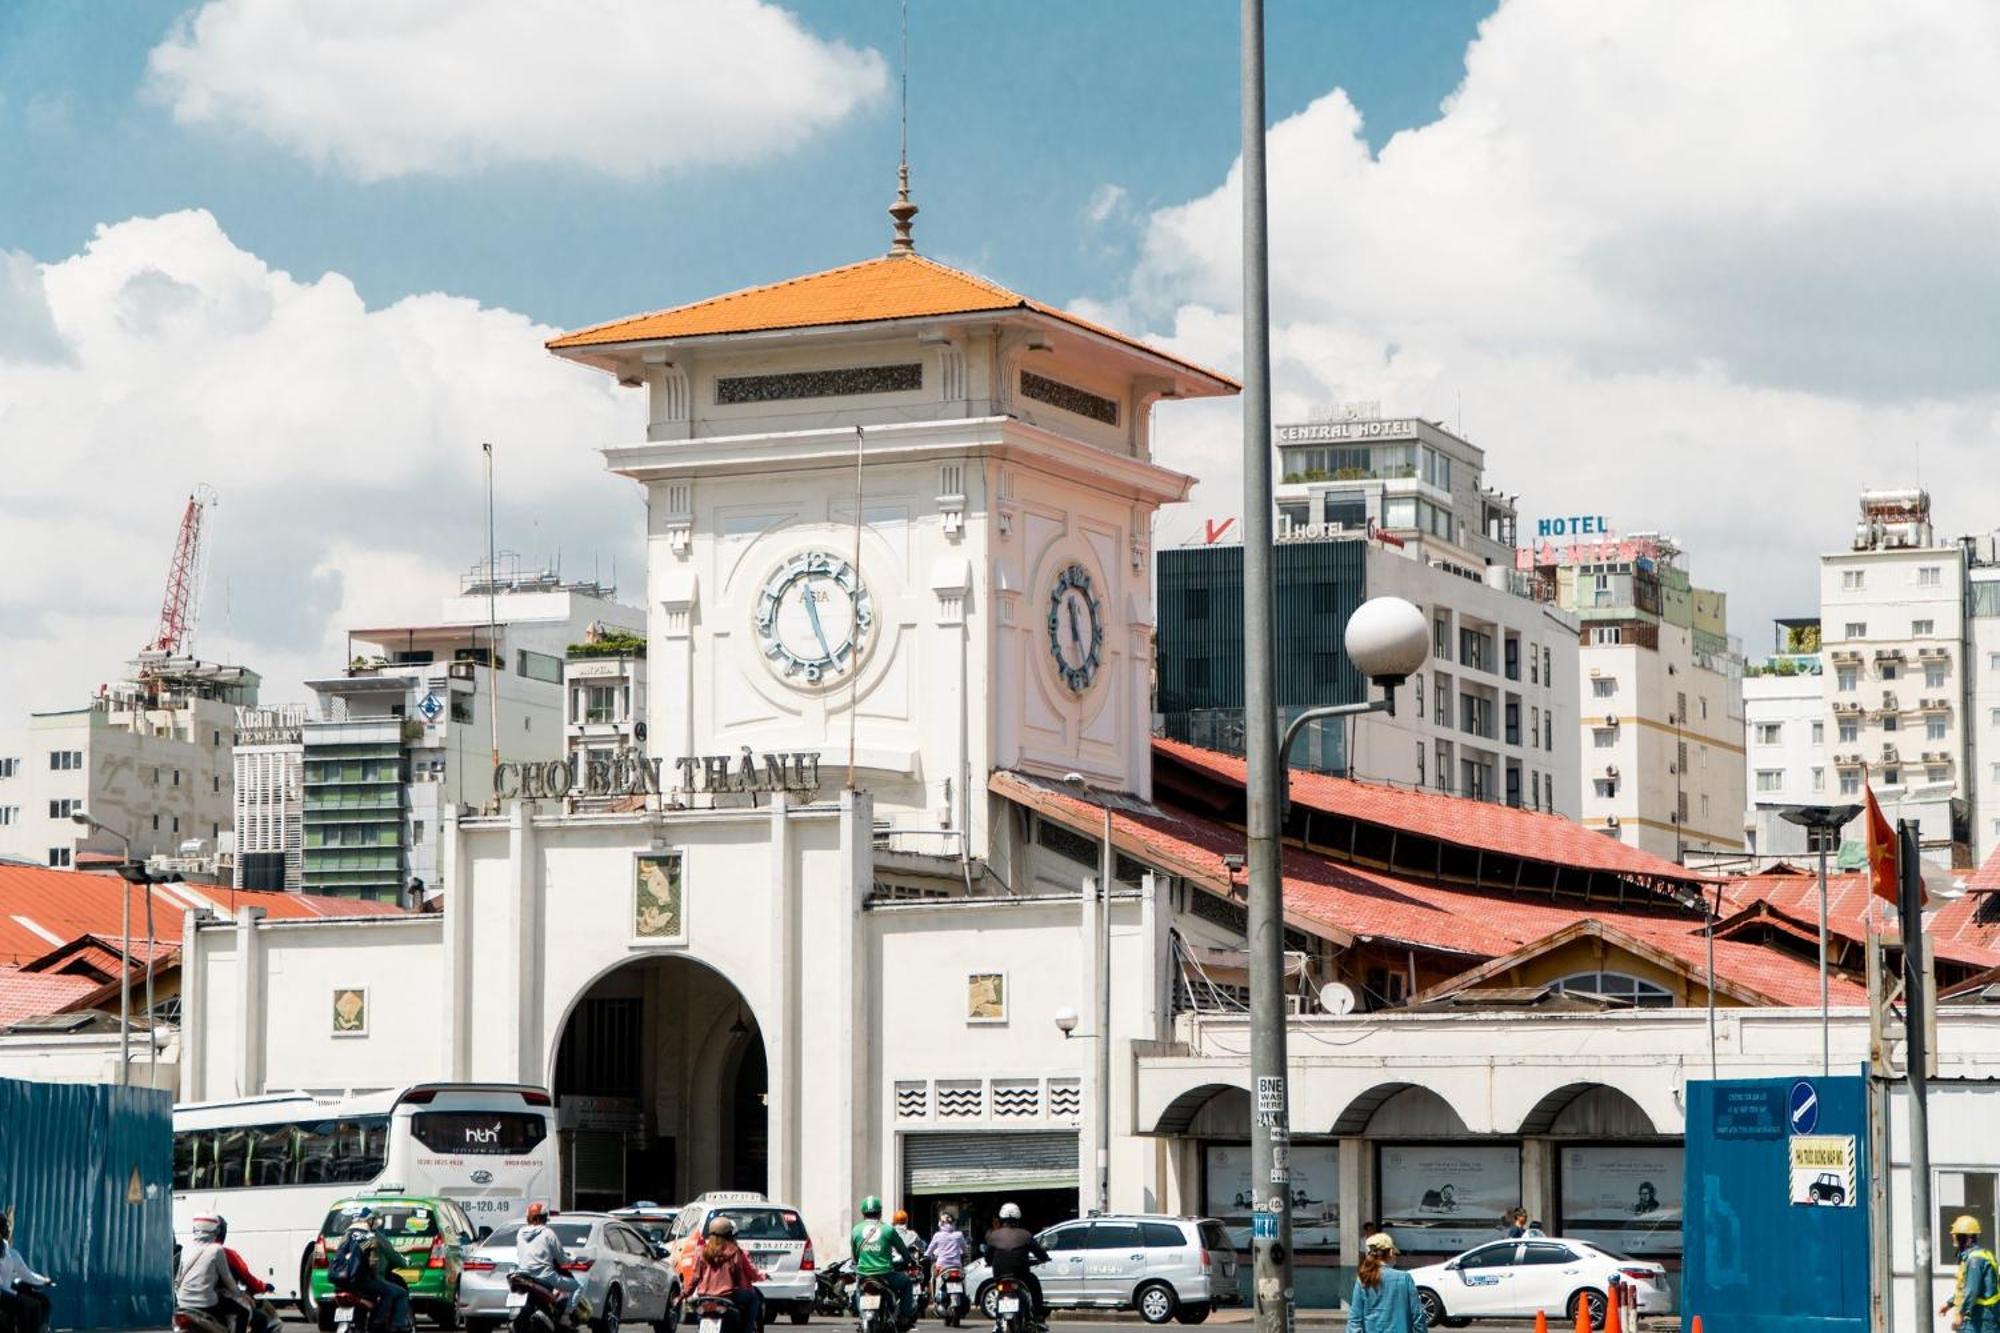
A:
<point x="180" y="610"/>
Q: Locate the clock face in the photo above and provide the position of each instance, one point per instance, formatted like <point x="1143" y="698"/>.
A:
<point x="813" y="618"/>
<point x="1076" y="628"/>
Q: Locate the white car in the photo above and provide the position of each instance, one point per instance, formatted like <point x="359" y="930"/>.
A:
<point x="1513" y="1279"/>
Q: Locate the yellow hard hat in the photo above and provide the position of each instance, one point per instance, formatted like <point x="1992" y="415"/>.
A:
<point x="1965" y="1225"/>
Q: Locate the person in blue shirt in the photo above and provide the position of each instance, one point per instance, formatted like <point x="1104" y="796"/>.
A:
<point x="1385" y="1299"/>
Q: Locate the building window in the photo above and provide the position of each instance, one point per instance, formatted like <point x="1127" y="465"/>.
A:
<point x="1891" y="722"/>
<point x="1937" y="773"/>
<point x="8" y="814"/>
<point x="1850" y="783"/>
<point x="216" y="783"/>
<point x="1770" y="779"/>
<point x="1606" y="634"/>
<point x="1535" y="787"/>
<point x="1851" y="580"/>
<point x="1618" y="986"/>
<point x="177" y="823"/>
<point x="1922" y="629"/>
<point x="1849" y="730"/>
<point x="1442" y="773"/>
<point x="1417" y="692"/>
<point x="1421" y="779"/>
<point x="1603" y="687"/>
<point x="1770" y="733"/>
<point x="1857" y="629"/>
<point x="1819" y="779"/>
<point x="156" y="823"/>
<point x="1933" y="675"/>
<point x="1603" y="738"/>
<point x="1443" y="702"/>
<point x="1846" y="677"/>
<point x="65" y="761"/>
<point x="63" y="808"/>
<point x="9" y="767"/>
<point x="600" y="702"/>
<point x="1604" y="788"/>
<point x="1892" y="777"/>
<point x="1930" y="576"/>
<point x="177" y="777"/>
<point x="1441" y="638"/>
<point x="1549" y="731"/>
<point x="1934" y="727"/>
<point x="1548" y="668"/>
<point x="1511" y="658"/>
<point x="59" y="857"/>
<point x="1680" y="707"/>
<point x="1534" y="667"/>
<point x="1889" y="671"/>
<point x="461" y="707"/>
<point x="1819" y="733"/>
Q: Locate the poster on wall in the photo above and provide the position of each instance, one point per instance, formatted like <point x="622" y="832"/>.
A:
<point x="1441" y="1198"/>
<point x="1315" y="1191"/>
<point x="1626" y="1199"/>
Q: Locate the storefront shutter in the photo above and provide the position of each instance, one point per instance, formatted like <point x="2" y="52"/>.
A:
<point x="953" y="1163"/>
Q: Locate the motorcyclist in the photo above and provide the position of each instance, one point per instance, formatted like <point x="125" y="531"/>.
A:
<point x="919" y="1261"/>
<point x="721" y="1268"/>
<point x="21" y="1298"/>
<point x="253" y="1285"/>
<point x="876" y="1247"/>
<point x="1011" y="1250"/>
<point x="206" y="1284"/>
<point x="947" y="1247"/>
<point x="376" y="1280"/>
<point x="539" y="1254"/>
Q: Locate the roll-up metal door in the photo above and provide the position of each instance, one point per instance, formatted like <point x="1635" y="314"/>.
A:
<point x="956" y="1163"/>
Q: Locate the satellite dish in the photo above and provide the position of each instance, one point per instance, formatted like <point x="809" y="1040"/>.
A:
<point x="1338" y="998"/>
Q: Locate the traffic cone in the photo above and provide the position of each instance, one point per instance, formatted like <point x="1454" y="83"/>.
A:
<point x="1583" y="1324"/>
<point x="1612" y="1322"/>
<point x="1695" y="1327"/>
<point x="1541" y="1321"/>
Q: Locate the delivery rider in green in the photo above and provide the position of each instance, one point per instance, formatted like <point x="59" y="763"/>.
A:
<point x="877" y="1247"/>
<point x="1975" y="1302"/>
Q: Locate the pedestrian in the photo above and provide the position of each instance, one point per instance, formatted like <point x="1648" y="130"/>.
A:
<point x="1385" y="1299"/>
<point x="1975" y="1302"/>
<point x="1518" y="1227"/>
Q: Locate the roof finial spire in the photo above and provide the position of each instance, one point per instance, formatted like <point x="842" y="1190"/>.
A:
<point x="903" y="210"/>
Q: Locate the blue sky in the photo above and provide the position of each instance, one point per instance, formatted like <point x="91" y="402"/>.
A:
<point x="1021" y="110"/>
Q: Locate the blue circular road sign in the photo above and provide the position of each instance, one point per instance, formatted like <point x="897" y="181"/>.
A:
<point x="1802" y="1108"/>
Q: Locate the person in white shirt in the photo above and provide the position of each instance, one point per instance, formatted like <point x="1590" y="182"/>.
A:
<point x="20" y="1294"/>
<point x="206" y="1283"/>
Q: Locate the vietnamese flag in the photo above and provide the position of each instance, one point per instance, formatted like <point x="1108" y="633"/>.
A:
<point x="1883" y="854"/>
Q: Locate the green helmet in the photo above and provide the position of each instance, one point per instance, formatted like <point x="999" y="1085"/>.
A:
<point x="871" y="1207"/>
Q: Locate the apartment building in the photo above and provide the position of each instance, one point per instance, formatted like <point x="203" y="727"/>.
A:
<point x="147" y="757"/>
<point x="1893" y="637"/>
<point x="1660" y="691"/>
<point x="269" y="763"/>
<point x="1982" y="689"/>
<point x="1785" y="729"/>
<point x="1369" y="507"/>
<point x="407" y="732"/>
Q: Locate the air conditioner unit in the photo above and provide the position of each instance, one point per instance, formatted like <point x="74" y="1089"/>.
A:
<point x="1889" y="754"/>
<point x="461" y="670"/>
<point x="1595" y="672"/>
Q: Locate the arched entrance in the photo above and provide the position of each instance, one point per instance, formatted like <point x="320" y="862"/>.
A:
<point x="660" y="1082"/>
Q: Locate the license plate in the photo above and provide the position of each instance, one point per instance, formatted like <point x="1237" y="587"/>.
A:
<point x="343" y="1316"/>
<point x="954" y="1288"/>
<point x="712" y="1324"/>
<point x="1010" y="1305"/>
<point x="517" y="1300"/>
<point x="871" y="1301"/>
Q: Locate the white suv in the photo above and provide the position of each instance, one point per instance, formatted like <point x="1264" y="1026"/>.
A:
<point x="774" y="1236"/>
<point x="1163" y="1267"/>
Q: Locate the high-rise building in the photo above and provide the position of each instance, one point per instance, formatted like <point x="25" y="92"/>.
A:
<point x="269" y="764"/>
<point x="407" y="732"/>
<point x="148" y="758"/>
<point x="1893" y="635"/>
<point x="1784" y="723"/>
<point x="1660" y="693"/>
<point x="1372" y="506"/>
<point x="1981" y="779"/>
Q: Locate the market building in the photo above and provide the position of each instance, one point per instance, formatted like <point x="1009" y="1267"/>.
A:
<point x="810" y="934"/>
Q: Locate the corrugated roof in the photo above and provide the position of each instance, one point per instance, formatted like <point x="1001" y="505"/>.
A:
<point x="32" y="994"/>
<point x="41" y="908"/>
<point x="872" y="291"/>
<point x="1482" y="825"/>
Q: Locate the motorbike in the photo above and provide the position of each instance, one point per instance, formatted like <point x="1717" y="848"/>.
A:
<point x="6" y="1322"/>
<point x="349" y="1308"/>
<point x="717" y="1314"/>
<point x="950" y="1298"/>
<point x="830" y="1286"/>
<point x="534" y="1306"/>
<point x="1011" y="1312"/>
<point x="877" y="1310"/>
<point x="190" y="1320"/>
<point x="920" y="1288"/>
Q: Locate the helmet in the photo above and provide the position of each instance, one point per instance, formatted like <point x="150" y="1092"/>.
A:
<point x="538" y="1212"/>
<point x="207" y="1227"/>
<point x="721" y="1226"/>
<point x="363" y="1217"/>
<point x="222" y="1228"/>
<point x="1010" y="1212"/>
<point x="871" y="1207"/>
<point x="1965" y="1225"/>
<point x="901" y="1219"/>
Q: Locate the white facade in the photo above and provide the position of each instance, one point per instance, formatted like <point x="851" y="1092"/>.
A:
<point x="1492" y="713"/>
<point x="1785" y="727"/>
<point x="270" y="797"/>
<point x="1893" y="638"/>
<point x="1982" y="692"/>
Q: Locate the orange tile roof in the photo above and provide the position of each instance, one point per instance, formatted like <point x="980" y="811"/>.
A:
<point x="26" y="995"/>
<point x="37" y="903"/>
<point x="1484" y="825"/>
<point x="1955" y="927"/>
<point x="872" y="291"/>
<point x="1987" y="878"/>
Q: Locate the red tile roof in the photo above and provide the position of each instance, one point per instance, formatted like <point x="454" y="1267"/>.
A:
<point x="1954" y="925"/>
<point x="41" y="909"/>
<point x="1986" y="879"/>
<point x="32" y="994"/>
<point x="1483" y="825"/>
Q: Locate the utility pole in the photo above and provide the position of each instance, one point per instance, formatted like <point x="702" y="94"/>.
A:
<point x="1270" y="1131"/>
<point x="1910" y="895"/>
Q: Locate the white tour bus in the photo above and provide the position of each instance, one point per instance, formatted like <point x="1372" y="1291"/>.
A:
<point x="274" y="1165"/>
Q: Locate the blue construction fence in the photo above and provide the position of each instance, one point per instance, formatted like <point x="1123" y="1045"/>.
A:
<point x="86" y="1171"/>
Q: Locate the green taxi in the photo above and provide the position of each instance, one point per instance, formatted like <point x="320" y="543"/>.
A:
<point x="429" y="1237"/>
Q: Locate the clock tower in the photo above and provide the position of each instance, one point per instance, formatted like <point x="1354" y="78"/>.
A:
<point x="899" y="517"/>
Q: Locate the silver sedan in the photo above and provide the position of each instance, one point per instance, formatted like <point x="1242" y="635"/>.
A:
<point x="611" y="1260"/>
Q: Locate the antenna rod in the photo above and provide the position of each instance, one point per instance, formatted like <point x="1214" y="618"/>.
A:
<point x="854" y="635"/>
<point x="492" y="617"/>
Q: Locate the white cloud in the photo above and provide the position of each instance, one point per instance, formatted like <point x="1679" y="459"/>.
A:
<point x="1701" y="267"/>
<point x="384" y="88"/>
<point x="344" y="442"/>
<point x="1106" y="202"/>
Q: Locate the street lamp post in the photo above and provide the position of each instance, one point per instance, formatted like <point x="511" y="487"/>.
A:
<point x="1106" y="865"/>
<point x="1822" y="824"/>
<point x="124" y="947"/>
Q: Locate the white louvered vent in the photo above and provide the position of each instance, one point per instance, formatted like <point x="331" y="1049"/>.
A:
<point x="961" y="1099"/>
<point x="1065" y="1098"/>
<point x="1017" y="1099"/>
<point x="913" y="1099"/>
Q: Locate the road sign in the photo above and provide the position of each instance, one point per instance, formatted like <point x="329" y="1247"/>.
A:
<point x="1802" y="1108"/>
<point x="1822" y="1174"/>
